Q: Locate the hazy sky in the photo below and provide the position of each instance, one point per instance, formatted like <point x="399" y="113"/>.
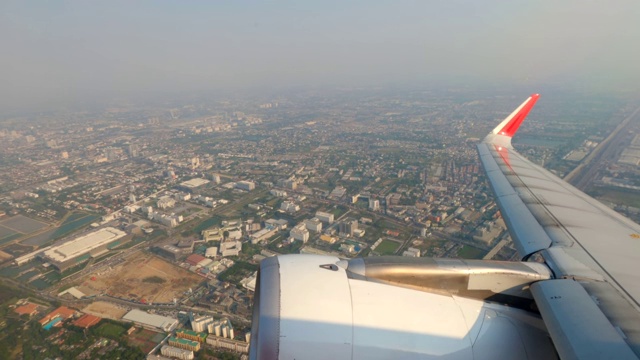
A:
<point x="57" y="52"/>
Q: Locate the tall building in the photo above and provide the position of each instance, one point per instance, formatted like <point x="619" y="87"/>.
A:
<point x="300" y="233"/>
<point x="348" y="227"/>
<point x="314" y="225"/>
<point x="374" y="204"/>
<point x="133" y="150"/>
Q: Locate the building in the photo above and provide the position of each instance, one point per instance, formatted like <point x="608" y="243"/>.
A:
<point x="211" y="252"/>
<point x="194" y="259"/>
<point x="174" y="352"/>
<point x="348" y="248"/>
<point x="233" y="233"/>
<point x="411" y="252"/>
<point x="314" y="225"/>
<point x="191" y="185"/>
<point x="133" y="150"/>
<point x="289" y="206"/>
<point x="299" y="232"/>
<point x="325" y="217"/>
<point x="245" y="185"/>
<point x="230" y="248"/>
<point x="228" y="344"/>
<point x="374" y="204"/>
<point x="56" y="317"/>
<point x="151" y="321"/>
<point x="263" y="234"/>
<point x="191" y="335"/>
<point x="348" y="227"/>
<point x="87" y="321"/>
<point x="76" y="251"/>
<point x="165" y="202"/>
<point x="184" y="344"/>
<point x="169" y="251"/>
<point x="328" y="239"/>
<point x="214" y="234"/>
<point x="221" y="328"/>
<point x="279" y="224"/>
<point x="279" y="193"/>
<point x="201" y="323"/>
<point x="27" y="309"/>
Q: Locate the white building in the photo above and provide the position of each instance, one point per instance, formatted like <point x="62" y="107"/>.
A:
<point x="374" y="204"/>
<point x="230" y="248"/>
<point x="234" y="233"/>
<point x="314" y="225"/>
<point x="411" y="252"/>
<point x="182" y="354"/>
<point x="69" y="253"/>
<point x="153" y="321"/>
<point x="325" y="217"/>
<point x="299" y="232"/>
<point x="289" y="206"/>
<point x="165" y="202"/>
<point x="245" y="185"/>
<point x="229" y="344"/>
<point x="211" y="252"/>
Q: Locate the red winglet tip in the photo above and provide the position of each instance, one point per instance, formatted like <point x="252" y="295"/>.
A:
<point x="518" y="117"/>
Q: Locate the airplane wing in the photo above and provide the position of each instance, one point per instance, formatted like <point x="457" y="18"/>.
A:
<point x="592" y="307"/>
<point x="579" y="302"/>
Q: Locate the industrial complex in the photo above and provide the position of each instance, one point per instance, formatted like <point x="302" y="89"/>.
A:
<point x="80" y="249"/>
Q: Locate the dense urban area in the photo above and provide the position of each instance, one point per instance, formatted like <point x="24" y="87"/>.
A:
<point x="135" y="231"/>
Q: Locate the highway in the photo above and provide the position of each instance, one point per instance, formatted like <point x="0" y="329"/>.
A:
<point x="608" y="150"/>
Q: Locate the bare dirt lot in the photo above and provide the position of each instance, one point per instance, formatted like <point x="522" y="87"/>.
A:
<point x="142" y="277"/>
<point x="106" y="310"/>
<point x="4" y="256"/>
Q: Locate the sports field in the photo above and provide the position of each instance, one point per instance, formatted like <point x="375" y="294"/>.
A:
<point x="387" y="247"/>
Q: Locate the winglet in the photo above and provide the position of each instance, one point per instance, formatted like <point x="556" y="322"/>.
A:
<point x="510" y="125"/>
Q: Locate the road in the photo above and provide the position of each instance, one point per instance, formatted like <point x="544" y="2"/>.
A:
<point x="608" y="150"/>
<point x="495" y="249"/>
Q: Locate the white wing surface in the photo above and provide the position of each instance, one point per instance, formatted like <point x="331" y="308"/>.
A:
<point x="579" y="239"/>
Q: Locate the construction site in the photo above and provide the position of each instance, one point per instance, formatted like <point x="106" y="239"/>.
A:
<point x="144" y="278"/>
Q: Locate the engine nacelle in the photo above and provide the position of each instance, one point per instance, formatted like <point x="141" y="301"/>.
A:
<point x="321" y="307"/>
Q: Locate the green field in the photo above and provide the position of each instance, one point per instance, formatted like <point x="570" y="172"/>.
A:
<point x="469" y="252"/>
<point x="617" y="196"/>
<point x="110" y="330"/>
<point x="210" y="222"/>
<point x="387" y="247"/>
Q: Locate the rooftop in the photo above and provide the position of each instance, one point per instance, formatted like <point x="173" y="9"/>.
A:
<point x="194" y="183"/>
<point x="84" y="244"/>
<point x="141" y="317"/>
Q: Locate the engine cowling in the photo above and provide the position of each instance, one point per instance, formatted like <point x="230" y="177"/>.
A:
<point x="321" y="307"/>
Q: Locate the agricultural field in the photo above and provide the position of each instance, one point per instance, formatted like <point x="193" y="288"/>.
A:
<point x="17" y="226"/>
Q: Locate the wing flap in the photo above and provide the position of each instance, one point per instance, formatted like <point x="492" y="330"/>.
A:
<point x="577" y="326"/>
